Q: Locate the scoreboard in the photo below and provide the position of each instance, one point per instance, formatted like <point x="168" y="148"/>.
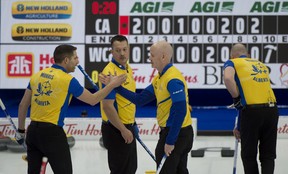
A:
<point x="207" y="39"/>
<point x="201" y="33"/>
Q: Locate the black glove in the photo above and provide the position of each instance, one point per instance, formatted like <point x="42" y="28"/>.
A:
<point x="237" y="103"/>
<point x="20" y="136"/>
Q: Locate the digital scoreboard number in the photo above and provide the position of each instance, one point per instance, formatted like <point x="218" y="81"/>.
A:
<point x="208" y="39"/>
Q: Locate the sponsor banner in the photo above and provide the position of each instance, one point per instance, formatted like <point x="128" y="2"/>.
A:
<point x="41" y="32"/>
<point x="41" y="10"/>
<point x="20" y="62"/>
<point x="283" y="127"/>
<point x="39" y="21"/>
<point x="203" y="7"/>
<point x="90" y="128"/>
<point x="208" y="76"/>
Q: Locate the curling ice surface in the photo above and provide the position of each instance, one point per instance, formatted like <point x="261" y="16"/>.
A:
<point x="90" y="158"/>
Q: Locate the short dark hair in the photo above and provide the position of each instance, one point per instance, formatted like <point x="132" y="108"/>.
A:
<point x="63" y="51"/>
<point x="119" y="38"/>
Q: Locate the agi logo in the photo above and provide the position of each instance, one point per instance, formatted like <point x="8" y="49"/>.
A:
<point x="41" y="32"/>
<point x="19" y="64"/>
<point x="269" y="7"/>
<point x="41" y="10"/>
<point x="212" y="7"/>
<point x="152" y="7"/>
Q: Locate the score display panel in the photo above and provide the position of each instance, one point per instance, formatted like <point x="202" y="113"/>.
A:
<point x="201" y="32"/>
<point x="209" y="38"/>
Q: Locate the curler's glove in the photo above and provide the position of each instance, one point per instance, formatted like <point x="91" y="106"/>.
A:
<point x="136" y="130"/>
<point x="20" y="136"/>
<point x="237" y="103"/>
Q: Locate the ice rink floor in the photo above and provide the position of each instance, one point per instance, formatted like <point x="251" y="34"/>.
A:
<point x="89" y="157"/>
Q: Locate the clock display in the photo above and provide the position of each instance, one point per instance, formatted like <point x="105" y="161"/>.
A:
<point x="104" y="8"/>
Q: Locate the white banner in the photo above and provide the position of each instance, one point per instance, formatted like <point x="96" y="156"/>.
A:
<point x="203" y="7"/>
<point x="42" y="21"/>
<point x="283" y="127"/>
<point x="90" y="128"/>
<point x="20" y="62"/>
<point x="208" y="76"/>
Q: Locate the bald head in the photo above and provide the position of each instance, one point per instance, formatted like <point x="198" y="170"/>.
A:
<point x="238" y="50"/>
<point x="160" y="55"/>
<point x="164" y="48"/>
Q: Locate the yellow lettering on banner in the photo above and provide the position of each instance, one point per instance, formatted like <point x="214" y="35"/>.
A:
<point x="94" y="76"/>
<point x="42" y="7"/>
<point x="42" y="29"/>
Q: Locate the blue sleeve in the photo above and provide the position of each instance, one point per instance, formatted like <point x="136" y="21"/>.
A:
<point x="228" y="63"/>
<point x="111" y="95"/>
<point x="178" y="110"/>
<point x="147" y="95"/>
<point x="75" y="88"/>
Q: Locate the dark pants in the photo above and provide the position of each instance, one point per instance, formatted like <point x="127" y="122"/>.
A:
<point x="176" y="163"/>
<point x="46" y="139"/>
<point x="122" y="157"/>
<point x="258" y="126"/>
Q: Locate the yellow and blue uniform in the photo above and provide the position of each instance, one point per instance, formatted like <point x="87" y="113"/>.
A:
<point x="52" y="90"/>
<point x="253" y="81"/>
<point x="122" y="157"/>
<point x="259" y="117"/>
<point x="126" y="110"/>
<point x="165" y="111"/>
<point x="173" y="116"/>
<point x="164" y="101"/>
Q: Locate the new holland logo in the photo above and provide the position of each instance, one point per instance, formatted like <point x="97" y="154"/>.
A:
<point x="41" y="10"/>
<point x="41" y="32"/>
